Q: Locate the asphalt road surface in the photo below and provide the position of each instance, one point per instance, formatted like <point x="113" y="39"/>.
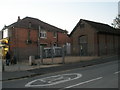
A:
<point x="103" y="75"/>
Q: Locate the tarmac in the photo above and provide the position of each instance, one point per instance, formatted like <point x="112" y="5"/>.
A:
<point x="23" y="70"/>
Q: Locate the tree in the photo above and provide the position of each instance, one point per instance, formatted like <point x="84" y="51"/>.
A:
<point x="116" y="22"/>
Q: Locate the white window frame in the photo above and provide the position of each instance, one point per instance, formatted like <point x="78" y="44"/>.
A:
<point x="43" y="34"/>
<point x="55" y="34"/>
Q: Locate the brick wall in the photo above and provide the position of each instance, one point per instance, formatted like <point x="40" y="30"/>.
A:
<point x="108" y="44"/>
<point x="22" y="50"/>
<point x="97" y="43"/>
<point x="87" y="31"/>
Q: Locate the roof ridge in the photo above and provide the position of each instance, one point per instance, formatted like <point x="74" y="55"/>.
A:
<point x="37" y="22"/>
<point x="101" y="27"/>
<point x="95" y="22"/>
<point x="44" y="22"/>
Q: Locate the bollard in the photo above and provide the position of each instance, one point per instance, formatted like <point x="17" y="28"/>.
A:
<point x="31" y="60"/>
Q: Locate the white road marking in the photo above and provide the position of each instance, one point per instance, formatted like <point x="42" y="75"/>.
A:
<point x="52" y="80"/>
<point x="55" y="79"/>
<point x="117" y="72"/>
<point x="84" y="82"/>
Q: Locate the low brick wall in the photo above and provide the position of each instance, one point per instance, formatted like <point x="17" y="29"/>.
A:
<point x="68" y="59"/>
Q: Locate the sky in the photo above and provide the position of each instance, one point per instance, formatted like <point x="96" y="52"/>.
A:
<point x="64" y="14"/>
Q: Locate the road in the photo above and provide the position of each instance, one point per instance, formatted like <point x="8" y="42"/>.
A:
<point x="103" y="75"/>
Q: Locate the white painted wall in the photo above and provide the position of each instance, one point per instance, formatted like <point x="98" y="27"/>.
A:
<point x="5" y="33"/>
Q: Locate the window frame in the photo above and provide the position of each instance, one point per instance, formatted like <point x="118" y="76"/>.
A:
<point x="55" y="34"/>
<point x="43" y="34"/>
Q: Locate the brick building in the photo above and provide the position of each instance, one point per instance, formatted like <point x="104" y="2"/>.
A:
<point x="27" y="35"/>
<point x="93" y="39"/>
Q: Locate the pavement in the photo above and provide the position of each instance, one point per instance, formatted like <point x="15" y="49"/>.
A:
<point x="21" y="70"/>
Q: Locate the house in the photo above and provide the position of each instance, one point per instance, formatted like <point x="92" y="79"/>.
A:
<point x="91" y="38"/>
<point x="27" y="35"/>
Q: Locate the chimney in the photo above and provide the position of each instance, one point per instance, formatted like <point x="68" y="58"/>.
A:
<point x="18" y="18"/>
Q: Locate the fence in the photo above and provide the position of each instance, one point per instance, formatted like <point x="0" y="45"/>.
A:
<point x="55" y="51"/>
<point x="52" y="52"/>
<point x="59" y="55"/>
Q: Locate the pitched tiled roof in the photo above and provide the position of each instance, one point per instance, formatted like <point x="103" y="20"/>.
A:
<point x="24" y="23"/>
<point x="99" y="27"/>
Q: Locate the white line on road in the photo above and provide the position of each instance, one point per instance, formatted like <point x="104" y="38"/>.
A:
<point x="84" y="82"/>
<point x="117" y="72"/>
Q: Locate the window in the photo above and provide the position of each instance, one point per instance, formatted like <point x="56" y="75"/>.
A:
<point x="5" y="33"/>
<point x="43" y="34"/>
<point x="30" y="24"/>
<point x="55" y="34"/>
<point x="83" y="39"/>
<point x="82" y="25"/>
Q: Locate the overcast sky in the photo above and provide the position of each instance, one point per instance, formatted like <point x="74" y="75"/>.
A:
<point x="64" y="14"/>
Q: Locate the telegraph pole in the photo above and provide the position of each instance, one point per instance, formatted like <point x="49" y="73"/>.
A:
<point x="63" y="54"/>
<point x="39" y="40"/>
<point x="39" y="53"/>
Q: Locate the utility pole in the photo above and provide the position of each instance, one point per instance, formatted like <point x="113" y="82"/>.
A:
<point x="39" y="48"/>
<point x="63" y="54"/>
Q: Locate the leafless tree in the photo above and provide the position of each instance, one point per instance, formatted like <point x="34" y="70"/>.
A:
<point x="116" y="22"/>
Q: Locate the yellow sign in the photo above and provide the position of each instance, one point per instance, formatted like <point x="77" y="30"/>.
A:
<point x="4" y="41"/>
<point x="3" y="47"/>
